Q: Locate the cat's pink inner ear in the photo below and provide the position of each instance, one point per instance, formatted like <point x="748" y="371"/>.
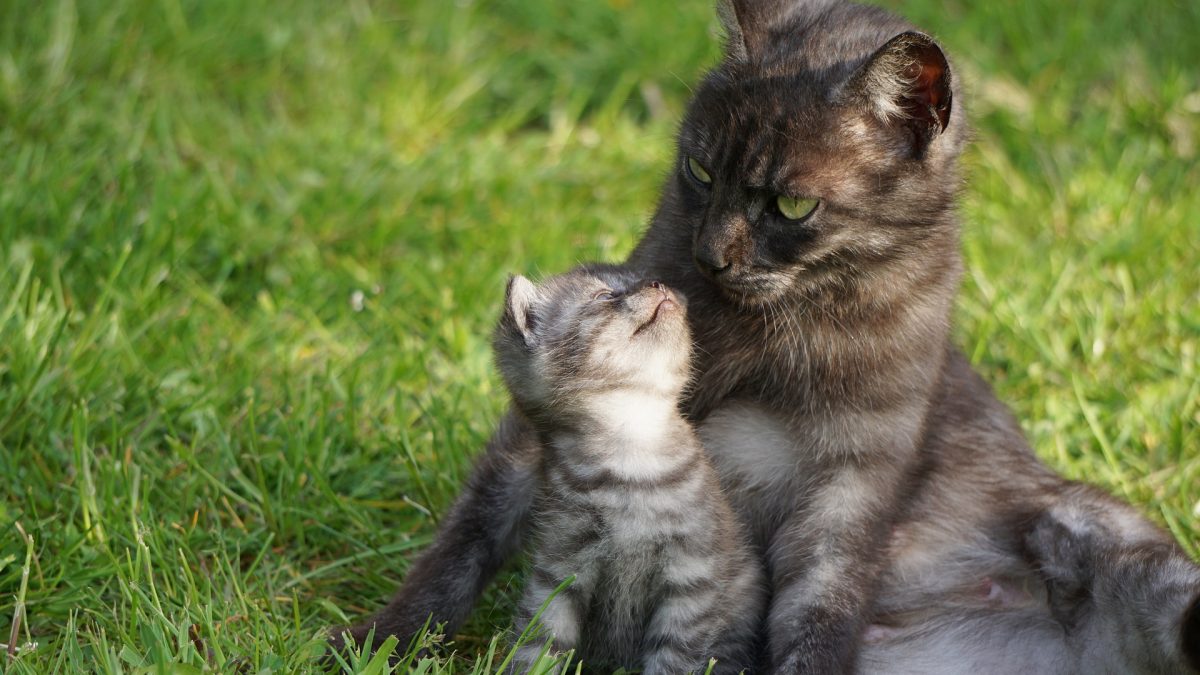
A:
<point x="931" y="87"/>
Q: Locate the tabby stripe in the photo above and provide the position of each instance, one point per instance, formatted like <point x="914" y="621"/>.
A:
<point x="606" y="479"/>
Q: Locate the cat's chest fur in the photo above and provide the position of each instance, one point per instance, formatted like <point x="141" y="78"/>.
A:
<point x="759" y="458"/>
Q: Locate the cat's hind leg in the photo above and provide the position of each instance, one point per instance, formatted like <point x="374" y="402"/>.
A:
<point x="1124" y="591"/>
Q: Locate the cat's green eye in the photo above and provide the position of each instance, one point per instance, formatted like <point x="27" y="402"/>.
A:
<point x="795" y="209"/>
<point x="698" y="171"/>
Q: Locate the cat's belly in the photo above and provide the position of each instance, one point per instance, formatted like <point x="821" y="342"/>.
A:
<point x="990" y="643"/>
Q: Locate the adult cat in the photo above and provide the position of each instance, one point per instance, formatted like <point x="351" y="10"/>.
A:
<point x="901" y="513"/>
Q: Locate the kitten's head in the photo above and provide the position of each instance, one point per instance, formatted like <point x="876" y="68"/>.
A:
<point x="822" y="147"/>
<point x="595" y="329"/>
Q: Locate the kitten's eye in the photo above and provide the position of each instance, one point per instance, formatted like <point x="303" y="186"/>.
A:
<point x="697" y="172"/>
<point x="795" y="209"/>
<point x="604" y="295"/>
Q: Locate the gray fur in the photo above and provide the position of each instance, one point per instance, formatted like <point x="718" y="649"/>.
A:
<point x="881" y="477"/>
<point x="664" y="578"/>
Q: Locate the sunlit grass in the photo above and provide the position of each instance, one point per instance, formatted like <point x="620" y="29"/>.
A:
<point x="250" y="258"/>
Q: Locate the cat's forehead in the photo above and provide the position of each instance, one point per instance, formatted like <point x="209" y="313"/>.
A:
<point x="724" y="101"/>
<point x="770" y="132"/>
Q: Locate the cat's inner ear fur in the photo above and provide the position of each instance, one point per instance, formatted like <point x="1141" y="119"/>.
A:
<point x="907" y="82"/>
<point x="519" y="298"/>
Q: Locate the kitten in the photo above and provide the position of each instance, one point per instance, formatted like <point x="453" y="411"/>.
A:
<point x="627" y="503"/>
<point x="810" y="221"/>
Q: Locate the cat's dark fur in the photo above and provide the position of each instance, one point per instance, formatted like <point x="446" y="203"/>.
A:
<point x="883" y="480"/>
<point x="627" y="504"/>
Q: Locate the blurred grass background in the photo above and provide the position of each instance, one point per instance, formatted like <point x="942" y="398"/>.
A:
<point x="250" y="255"/>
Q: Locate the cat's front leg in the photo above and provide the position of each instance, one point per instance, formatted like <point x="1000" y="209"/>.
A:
<point x="824" y="562"/>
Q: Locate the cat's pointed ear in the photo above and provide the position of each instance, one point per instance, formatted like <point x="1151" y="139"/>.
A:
<point x="519" y="297"/>
<point x="735" y="39"/>
<point x="907" y="83"/>
<point x="1191" y="634"/>
<point x="747" y="24"/>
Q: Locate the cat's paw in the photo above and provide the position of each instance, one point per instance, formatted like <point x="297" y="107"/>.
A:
<point x="1191" y="634"/>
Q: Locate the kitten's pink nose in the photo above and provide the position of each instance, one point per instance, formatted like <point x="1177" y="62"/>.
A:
<point x="661" y="288"/>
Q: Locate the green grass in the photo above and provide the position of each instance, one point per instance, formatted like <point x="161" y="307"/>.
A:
<point x="250" y="258"/>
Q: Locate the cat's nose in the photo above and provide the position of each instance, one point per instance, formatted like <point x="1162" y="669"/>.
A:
<point x="712" y="263"/>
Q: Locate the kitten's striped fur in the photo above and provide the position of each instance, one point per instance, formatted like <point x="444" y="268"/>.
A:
<point x="627" y="503"/>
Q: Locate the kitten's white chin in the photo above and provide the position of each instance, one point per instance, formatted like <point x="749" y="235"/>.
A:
<point x="633" y="410"/>
<point x="636" y="423"/>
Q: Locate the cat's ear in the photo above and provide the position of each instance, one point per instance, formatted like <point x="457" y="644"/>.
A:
<point x="519" y="297"/>
<point x="1191" y="634"/>
<point x="746" y="24"/>
<point x="735" y="39"/>
<point x="907" y="83"/>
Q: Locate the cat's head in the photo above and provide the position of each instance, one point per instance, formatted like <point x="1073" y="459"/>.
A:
<point x="595" y="329"/>
<point x="822" y="147"/>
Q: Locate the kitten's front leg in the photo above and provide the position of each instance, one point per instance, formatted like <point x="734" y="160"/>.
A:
<point x="678" y="632"/>
<point x="706" y="615"/>
<point x="823" y="564"/>
<point x="672" y="660"/>
<point x="559" y="621"/>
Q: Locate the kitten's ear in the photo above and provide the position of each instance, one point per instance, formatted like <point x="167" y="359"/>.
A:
<point x="907" y="83"/>
<point x="519" y="297"/>
<point x="747" y="24"/>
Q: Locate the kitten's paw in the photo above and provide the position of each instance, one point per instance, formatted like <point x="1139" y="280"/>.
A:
<point x="1191" y="634"/>
<point x="337" y="644"/>
<point x="358" y="635"/>
<point x="528" y="656"/>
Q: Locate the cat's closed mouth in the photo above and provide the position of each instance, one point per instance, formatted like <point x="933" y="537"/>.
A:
<point x="665" y="305"/>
